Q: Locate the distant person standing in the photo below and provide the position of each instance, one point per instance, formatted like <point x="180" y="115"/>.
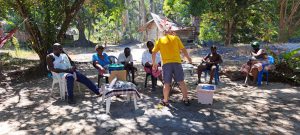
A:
<point x="170" y="47"/>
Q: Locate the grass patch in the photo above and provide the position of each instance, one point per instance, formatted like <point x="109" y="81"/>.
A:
<point x="23" y="54"/>
<point x="13" y="61"/>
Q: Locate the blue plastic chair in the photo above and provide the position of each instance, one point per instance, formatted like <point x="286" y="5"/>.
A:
<point x="216" y="76"/>
<point x="263" y="71"/>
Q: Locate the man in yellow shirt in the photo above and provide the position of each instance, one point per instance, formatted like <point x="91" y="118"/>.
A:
<point x="170" y="47"/>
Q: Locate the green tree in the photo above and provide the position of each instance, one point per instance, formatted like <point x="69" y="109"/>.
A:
<point x="47" y="21"/>
<point x="245" y="20"/>
<point x="94" y="12"/>
<point x="186" y="11"/>
<point x="289" y="14"/>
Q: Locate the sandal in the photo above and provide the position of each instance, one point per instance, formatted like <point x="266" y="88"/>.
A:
<point x="186" y="102"/>
<point x="163" y="103"/>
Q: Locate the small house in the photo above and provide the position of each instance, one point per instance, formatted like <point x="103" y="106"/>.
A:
<point x="154" y="30"/>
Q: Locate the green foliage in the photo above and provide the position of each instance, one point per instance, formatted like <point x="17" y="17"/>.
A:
<point x="209" y="29"/>
<point x="180" y="10"/>
<point x="293" y="63"/>
<point x="251" y="19"/>
<point x="16" y="44"/>
<point x="290" y="55"/>
<point x="177" y="10"/>
<point x="296" y="34"/>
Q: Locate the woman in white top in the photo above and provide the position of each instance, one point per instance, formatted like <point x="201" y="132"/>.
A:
<point x="147" y="63"/>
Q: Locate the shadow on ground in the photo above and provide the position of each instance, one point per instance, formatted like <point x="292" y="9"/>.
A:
<point x="27" y="108"/>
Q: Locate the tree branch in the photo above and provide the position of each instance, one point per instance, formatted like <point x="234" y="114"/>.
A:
<point x="70" y="14"/>
<point x="294" y="9"/>
<point x="32" y="28"/>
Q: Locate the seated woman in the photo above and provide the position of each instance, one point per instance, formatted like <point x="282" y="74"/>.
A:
<point x="147" y="63"/>
<point x="209" y="63"/>
<point x="100" y="60"/>
<point x="255" y="63"/>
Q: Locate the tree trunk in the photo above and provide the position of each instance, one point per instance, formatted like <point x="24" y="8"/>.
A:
<point x="229" y="31"/>
<point x="41" y="43"/>
<point x="152" y="6"/>
<point x="42" y="55"/>
<point x="196" y="23"/>
<point x="80" y="26"/>
<point x="125" y="20"/>
<point x="82" y="40"/>
<point x="70" y="14"/>
<point x="283" y="35"/>
<point x="289" y="19"/>
<point x="142" y="17"/>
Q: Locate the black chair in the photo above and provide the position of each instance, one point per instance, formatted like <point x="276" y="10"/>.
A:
<point x="146" y="79"/>
<point x="102" y="76"/>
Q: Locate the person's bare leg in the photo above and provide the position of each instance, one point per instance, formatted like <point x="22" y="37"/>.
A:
<point x="166" y="92"/>
<point x="183" y="89"/>
<point x="212" y="73"/>
<point x="199" y="71"/>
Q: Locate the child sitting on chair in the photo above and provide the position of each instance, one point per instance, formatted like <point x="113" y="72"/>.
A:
<point x="210" y="62"/>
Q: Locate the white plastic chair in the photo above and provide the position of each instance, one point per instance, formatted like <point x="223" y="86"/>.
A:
<point x="60" y="79"/>
<point x="108" y="100"/>
<point x="122" y="76"/>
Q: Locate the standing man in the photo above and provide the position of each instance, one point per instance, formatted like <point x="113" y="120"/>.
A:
<point x="59" y="62"/>
<point x="170" y="47"/>
<point x="127" y="60"/>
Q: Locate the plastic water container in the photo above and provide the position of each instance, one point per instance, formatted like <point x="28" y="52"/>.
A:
<point x="115" y="67"/>
<point x="205" y="93"/>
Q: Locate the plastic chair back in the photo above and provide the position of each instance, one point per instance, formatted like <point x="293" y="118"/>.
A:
<point x="271" y="59"/>
<point x="260" y="74"/>
<point x="113" y="59"/>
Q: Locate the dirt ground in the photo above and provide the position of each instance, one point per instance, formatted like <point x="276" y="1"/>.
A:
<point x="27" y="108"/>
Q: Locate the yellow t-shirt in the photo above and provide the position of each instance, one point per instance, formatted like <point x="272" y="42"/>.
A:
<point x="169" y="47"/>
